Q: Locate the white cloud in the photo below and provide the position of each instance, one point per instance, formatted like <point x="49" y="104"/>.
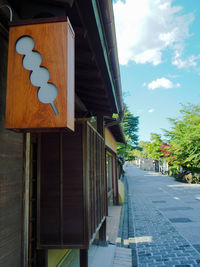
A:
<point x="151" y="110"/>
<point x="162" y="83"/>
<point x="146" y="28"/>
<point x="148" y="56"/>
<point x="189" y="62"/>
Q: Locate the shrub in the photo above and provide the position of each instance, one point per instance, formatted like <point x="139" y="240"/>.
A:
<point x="189" y="176"/>
<point x="173" y="171"/>
<point x="196" y="178"/>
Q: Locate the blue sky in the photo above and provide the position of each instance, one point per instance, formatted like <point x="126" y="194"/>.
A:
<point x="159" y="55"/>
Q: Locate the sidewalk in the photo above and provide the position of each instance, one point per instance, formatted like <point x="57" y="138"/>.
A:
<point x="166" y="220"/>
<point x="113" y="221"/>
<point x="111" y="256"/>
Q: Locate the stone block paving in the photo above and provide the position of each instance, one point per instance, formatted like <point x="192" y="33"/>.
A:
<point x="113" y="221"/>
<point x="126" y="230"/>
<point x="157" y="241"/>
<point x="111" y="255"/>
<point x="122" y="257"/>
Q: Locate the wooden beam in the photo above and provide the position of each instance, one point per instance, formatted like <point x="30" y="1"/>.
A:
<point x="83" y="258"/>
<point x="80" y="31"/>
<point x="99" y="109"/>
<point x="100" y="124"/>
<point x="95" y="100"/>
<point x="102" y="103"/>
<point x="83" y="114"/>
<point x="90" y="84"/>
<point x="85" y="65"/>
<point x="92" y="92"/>
<point x="27" y="145"/>
<point x="84" y="56"/>
<point x="79" y="104"/>
<point x="87" y="73"/>
<point x="90" y="68"/>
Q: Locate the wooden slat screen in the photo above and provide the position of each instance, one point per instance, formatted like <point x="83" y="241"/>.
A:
<point x="73" y="208"/>
<point x="96" y="158"/>
<point x="49" y="202"/>
<point x="72" y="187"/>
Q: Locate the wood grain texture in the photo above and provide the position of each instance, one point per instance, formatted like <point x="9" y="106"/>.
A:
<point x="23" y="109"/>
<point x="11" y="180"/>
<point x="49" y="199"/>
<point x="37" y="21"/>
<point x="72" y="187"/>
<point x="73" y="195"/>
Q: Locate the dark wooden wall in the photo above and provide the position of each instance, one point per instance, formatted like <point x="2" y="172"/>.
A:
<point x="73" y="198"/>
<point x="61" y="189"/>
<point x="50" y="188"/>
<point x="11" y="182"/>
<point x="71" y="186"/>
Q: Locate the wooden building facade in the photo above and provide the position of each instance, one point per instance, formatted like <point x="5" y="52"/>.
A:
<point x="113" y="134"/>
<point x="53" y="182"/>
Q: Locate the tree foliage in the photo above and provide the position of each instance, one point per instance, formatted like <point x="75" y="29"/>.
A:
<point x="151" y="149"/>
<point x="154" y="147"/>
<point x="142" y="152"/>
<point x="130" y="128"/>
<point x="184" y="138"/>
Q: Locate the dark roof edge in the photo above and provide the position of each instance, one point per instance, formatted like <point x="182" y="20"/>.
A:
<point x="118" y="133"/>
<point x="106" y="12"/>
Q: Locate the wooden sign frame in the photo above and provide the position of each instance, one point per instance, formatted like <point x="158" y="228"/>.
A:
<point x="54" y="41"/>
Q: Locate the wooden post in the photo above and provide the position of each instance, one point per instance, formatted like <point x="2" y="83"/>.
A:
<point x="106" y="184"/>
<point x="42" y="258"/>
<point x="100" y="124"/>
<point x="83" y="258"/>
<point x="102" y="235"/>
<point x="117" y="178"/>
<point x="26" y="199"/>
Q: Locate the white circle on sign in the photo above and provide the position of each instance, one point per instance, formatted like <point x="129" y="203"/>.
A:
<point x="47" y="93"/>
<point x="32" y="60"/>
<point x="39" y="76"/>
<point x="24" y="45"/>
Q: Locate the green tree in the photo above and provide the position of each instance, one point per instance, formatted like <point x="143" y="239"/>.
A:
<point x="184" y="138"/>
<point x="154" y="147"/>
<point x="130" y="128"/>
<point x="141" y="151"/>
<point x="151" y="149"/>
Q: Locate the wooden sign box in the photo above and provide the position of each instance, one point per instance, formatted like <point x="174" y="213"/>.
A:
<point x="34" y="106"/>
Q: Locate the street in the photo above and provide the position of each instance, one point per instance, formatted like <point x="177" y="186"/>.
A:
<point x="161" y="221"/>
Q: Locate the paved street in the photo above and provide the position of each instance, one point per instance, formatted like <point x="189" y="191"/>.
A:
<point x="163" y="221"/>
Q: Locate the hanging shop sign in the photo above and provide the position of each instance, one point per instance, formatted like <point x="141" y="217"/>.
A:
<point x="40" y="78"/>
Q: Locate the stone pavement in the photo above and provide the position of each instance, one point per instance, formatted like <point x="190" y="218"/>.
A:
<point x="113" y="221"/>
<point x="164" y="213"/>
<point x="111" y="256"/>
<point x="122" y="257"/>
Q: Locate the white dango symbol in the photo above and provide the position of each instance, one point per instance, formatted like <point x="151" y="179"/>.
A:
<point x="39" y="76"/>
